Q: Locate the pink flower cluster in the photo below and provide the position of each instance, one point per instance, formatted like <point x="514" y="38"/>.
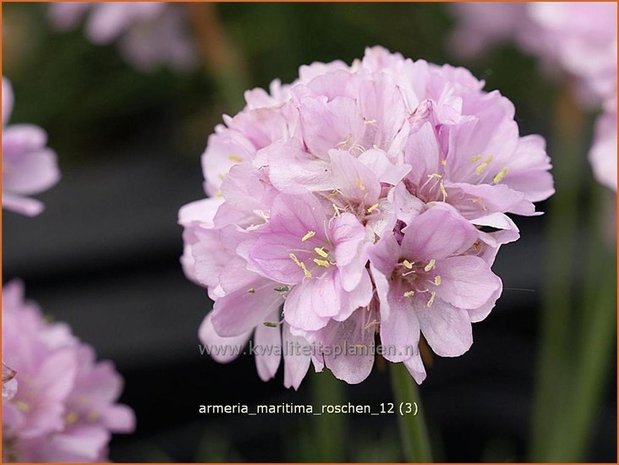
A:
<point x="579" y="39"/>
<point x="150" y="34"/>
<point x="61" y="405"/>
<point x="358" y="201"/>
<point x="28" y="166"/>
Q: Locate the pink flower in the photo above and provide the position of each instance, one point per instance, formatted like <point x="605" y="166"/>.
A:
<point x="321" y="188"/>
<point x="579" y="38"/>
<point x="432" y="282"/>
<point x="28" y="166"/>
<point x="65" y="405"/>
<point x="150" y="34"/>
<point x="603" y="153"/>
<point x="321" y="258"/>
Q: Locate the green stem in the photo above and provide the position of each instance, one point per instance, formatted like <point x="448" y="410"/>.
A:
<point x="329" y="430"/>
<point x="570" y="439"/>
<point x="413" y="431"/>
<point x="550" y="391"/>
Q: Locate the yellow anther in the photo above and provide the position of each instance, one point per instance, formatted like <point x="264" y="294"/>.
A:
<point x="270" y="324"/>
<point x="301" y="265"/>
<point x="483" y="165"/>
<point x="307" y="273"/>
<point x="430" y="265"/>
<point x="432" y="297"/>
<point x="218" y="193"/>
<point x="407" y="264"/>
<point x="321" y="262"/>
<point x="22" y="406"/>
<point x="308" y="235"/>
<point x="234" y="158"/>
<point x="481" y="168"/>
<point x="251" y="290"/>
<point x="500" y="175"/>
<point x="93" y="416"/>
<point x="443" y="162"/>
<point x="360" y="184"/>
<point x="441" y="187"/>
<point x="71" y="418"/>
<point x="372" y="208"/>
<point x="322" y="252"/>
<point x="437" y="280"/>
<point x="475" y="158"/>
<point x="409" y="293"/>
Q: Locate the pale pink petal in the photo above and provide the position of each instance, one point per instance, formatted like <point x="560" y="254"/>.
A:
<point x="347" y="348"/>
<point x="415" y="367"/>
<point x="221" y="349"/>
<point x="446" y="328"/>
<point x="466" y="282"/>
<point x="268" y="345"/>
<point x="438" y="233"/>
<point x="239" y="312"/>
<point x="297" y="358"/>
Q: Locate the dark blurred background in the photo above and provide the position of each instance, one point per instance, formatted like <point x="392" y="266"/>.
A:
<point x="104" y="254"/>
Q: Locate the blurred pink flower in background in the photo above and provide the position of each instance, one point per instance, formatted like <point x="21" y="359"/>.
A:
<point x="64" y="408"/>
<point x="28" y="166"/>
<point x="603" y="154"/>
<point x="149" y="34"/>
<point x="575" y="40"/>
<point x="349" y="204"/>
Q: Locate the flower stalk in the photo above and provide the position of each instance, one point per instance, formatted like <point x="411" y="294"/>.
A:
<point x="570" y="439"/>
<point x="413" y="430"/>
<point x="329" y="430"/>
<point x="561" y="242"/>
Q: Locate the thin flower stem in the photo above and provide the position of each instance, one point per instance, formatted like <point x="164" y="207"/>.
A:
<point x="595" y="349"/>
<point x="413" y="430"/>
<point x="330" y="430"/>
<point x="561" y="246"/>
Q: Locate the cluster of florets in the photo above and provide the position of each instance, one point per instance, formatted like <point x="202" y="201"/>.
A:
<point x="576" y="40"/>
<point x="358" y="201"/>
<point x="149" y="34"/>
<point x="58" y="403"/>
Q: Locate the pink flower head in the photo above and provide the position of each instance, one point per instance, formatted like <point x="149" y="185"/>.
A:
<point x="579" y="38"/>
<point x="150" y="34"/>
<point x="349" y="204"/>
<point x="65" y="406"/>
<point x="28" y="166"/>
